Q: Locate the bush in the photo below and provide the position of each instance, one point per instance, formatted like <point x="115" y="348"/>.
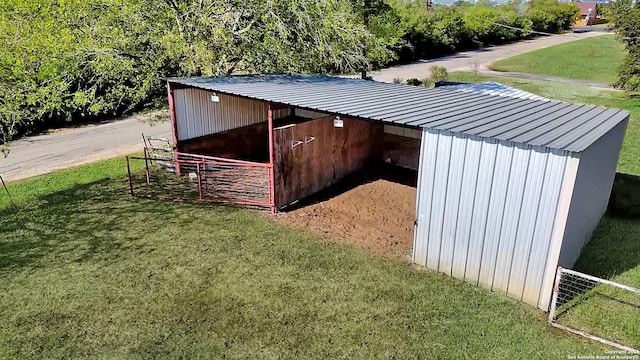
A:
<point x="436" y="73"/>
<point x="447" y="29"/>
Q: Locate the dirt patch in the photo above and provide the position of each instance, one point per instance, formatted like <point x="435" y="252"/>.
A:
<point x="375" y="213"/>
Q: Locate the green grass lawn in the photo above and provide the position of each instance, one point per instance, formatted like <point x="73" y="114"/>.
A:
<point x="594" y="59"/>
<point x="86" y="271"/>
<point x="614" y="249"/>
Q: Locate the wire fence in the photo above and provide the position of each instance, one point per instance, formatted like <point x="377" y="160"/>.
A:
<point x="598" y="309"/>
<point x="189" y="177"/>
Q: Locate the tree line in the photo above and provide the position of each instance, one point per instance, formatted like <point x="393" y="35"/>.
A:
<point x="75" y="60"/>
<point x="625" y="14"/>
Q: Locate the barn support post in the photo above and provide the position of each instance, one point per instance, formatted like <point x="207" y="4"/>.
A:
<point x="272" y="176"/>
<point x="174" y="126"/>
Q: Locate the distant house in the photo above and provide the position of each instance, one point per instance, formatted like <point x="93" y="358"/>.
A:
<point x="588" y="14"/>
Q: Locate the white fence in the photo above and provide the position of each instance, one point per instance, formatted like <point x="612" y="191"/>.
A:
<point x="595" y="308"/>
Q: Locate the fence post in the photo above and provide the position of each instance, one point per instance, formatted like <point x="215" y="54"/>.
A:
<point x="554" y="297"/>
<point x="129" y="177"/>
<point x="199" y="183"/>
<point x="146" y="166"/>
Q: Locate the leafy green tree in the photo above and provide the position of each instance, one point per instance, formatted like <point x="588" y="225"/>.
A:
<point x="626" y="16"/>
<point x="73" y="59"/>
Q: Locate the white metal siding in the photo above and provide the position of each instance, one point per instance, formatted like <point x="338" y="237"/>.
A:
<point x="403" y="131"/>
<point x="486" y="211"/>
<point x="197" y="115"/>
<point x="550" y="258"/>
<point x="596" y="171"/>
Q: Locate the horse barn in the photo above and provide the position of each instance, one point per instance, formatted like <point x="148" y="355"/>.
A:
<point x="508" y="188"/>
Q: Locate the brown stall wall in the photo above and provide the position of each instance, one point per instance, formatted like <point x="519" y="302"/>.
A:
<point x="400" y="150"/>
<point x="246" y="143"/>
<point x="315" y="154"/>
<point x="352" y="146"/>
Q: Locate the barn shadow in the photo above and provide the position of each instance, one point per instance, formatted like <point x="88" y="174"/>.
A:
<point x="614" y="247"/>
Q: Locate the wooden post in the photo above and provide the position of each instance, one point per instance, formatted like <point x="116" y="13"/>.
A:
<point x="199" y="183"/>
<point x="272" y="176"/>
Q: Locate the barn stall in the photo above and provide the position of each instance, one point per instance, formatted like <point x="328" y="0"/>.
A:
<point x="508" y="188"/>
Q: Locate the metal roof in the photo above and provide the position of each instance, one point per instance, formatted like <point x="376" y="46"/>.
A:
<point x="552" y="124"/>
<point x="493" y="88"/>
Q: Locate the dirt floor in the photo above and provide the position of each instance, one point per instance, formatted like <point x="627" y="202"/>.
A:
<point x="373" y="211"/>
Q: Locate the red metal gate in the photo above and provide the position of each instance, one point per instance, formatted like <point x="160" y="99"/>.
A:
<point x="192" y="177"/>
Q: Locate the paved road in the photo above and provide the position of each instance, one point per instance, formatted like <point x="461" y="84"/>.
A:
<point x="70" y="147"/>
<point x="475" y="60"/>
<point x="42" y="154"/>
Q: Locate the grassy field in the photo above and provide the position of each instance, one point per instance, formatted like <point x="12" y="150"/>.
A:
<point x="86" y="271"/>
<point x="614" y="250"/>
<point x="594" y="59"/>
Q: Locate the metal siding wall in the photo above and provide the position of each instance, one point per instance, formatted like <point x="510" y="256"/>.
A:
<point x="197" y="115"/>
<point x="440" y="183"/>
<point x="452" y="206"/>
<point x="596" y="171"/>
<point x="480" y="210"/>
<point x="426" y="173"/>
<point x="532" y="196"/>
<point x="511" y="219"/>
<point x="468" y="190"/>
<point x="495" y="220"/>
<point x="552" y="175"/>
<point x="486" y="211"/>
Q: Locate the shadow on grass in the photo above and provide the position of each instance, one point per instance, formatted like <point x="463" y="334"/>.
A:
<point x="613" y="249"/>
<point x="95" y="221"/>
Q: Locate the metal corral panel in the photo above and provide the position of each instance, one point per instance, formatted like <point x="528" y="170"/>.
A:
<point x="403" y="131"/>
<point x="486" y="211"/>
<point x="551" y="124"/>
<point x="197" y="115"/>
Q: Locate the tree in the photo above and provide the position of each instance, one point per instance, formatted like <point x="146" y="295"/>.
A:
<point x="69" y="59"/>
<point x="626" y="16"/>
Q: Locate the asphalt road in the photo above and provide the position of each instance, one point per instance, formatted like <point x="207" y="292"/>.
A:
<point x="65" y="148"/>
<point x="475" y="60"/>
<point x="71" y="147"/>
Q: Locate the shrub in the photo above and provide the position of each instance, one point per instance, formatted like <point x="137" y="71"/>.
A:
<point x="447" y="29"/>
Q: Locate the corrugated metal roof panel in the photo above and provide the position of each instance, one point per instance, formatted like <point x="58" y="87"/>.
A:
<point x="500" y="114"/>
<point x="494" y="88"/>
